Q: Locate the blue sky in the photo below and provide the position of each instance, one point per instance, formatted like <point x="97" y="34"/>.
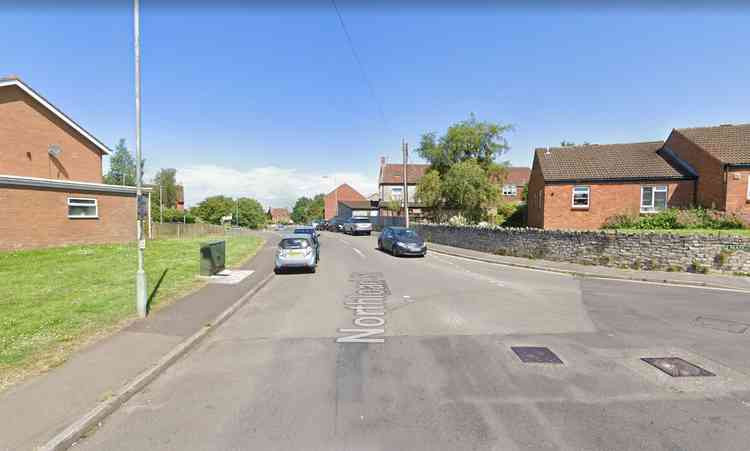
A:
<point x="264" y="102"/>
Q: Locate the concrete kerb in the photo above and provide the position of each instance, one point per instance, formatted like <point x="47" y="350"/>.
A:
<point x="66" y="438"/>
<point x="590" y="275"/>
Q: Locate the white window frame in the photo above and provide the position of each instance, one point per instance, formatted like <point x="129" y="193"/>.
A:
<point x="510" y="190"/>
<point x="748" y="187"/>
<point x="654" y="189"/>
<point x="75" y="202"/>
<point x="573" y="197"/>
<point x="400" y="195"/>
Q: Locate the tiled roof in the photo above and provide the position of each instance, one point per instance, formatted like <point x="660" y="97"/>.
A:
<point x="517" y="175"/>
<point x="730" y="144"/>
<point x="394" y="173"/>
<point x="608" y="162"/>
<point x="279" y="213"/>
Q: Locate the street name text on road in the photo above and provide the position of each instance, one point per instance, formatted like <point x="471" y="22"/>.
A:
<point x="368" y="304"/>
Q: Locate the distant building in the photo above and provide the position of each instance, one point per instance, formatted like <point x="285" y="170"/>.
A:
<point x="279" y="215"/>
<point x="357" y="208"/>
<point x="391" y="187"/>
<point x="342" y="193"/>
<point x="515" y="180"/>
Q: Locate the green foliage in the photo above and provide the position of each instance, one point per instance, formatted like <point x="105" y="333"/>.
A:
<point x="174" y="215"/>
<point x="251" y="213"/>
<point x="213" y="208"/>
<point x="673" y="218"/>
<point x="467" y="188"/>
<point x="430" y="190"/>
<point x="121" y="166"/>
<point x="167" y="179"/>
<point x="510" y="215"/>
<point x="465" y="140"/>
<point x="307" y="210"/>
<point x="393" y="205"/>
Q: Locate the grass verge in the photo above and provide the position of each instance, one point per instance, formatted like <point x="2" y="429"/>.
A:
<point x="52" y="301"/>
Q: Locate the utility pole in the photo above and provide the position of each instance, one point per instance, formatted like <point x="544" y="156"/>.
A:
<point x="405" y="147"/>
<point x="140" y="275"/>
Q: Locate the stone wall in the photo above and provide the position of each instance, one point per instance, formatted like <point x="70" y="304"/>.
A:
<point x="657" y="251"/>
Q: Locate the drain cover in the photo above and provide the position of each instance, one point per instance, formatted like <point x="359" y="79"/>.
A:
<point x="676" y="367"/>
<point x="535" y="354"/>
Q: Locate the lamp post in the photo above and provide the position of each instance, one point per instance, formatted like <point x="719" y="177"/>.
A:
<point x="140" y="275"/>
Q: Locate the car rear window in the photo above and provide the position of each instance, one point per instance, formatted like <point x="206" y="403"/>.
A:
<point x="294" y="243"/>
<point x="304" y="231"/>
<point x="360" y="220"/>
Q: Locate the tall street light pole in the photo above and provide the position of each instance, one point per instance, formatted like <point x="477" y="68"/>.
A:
<point x="140" y="275"/>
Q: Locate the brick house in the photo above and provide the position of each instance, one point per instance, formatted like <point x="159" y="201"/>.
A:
<point x="342" y="192"/>
<point x="580" y="187"/>
<point x="279" y="215"/>
<point x="51" y="178"/>
<point x="391" y="186"/>
<point x="515" y="180"/>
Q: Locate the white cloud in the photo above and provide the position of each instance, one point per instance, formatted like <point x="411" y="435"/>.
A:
<point x="271" y="186"/>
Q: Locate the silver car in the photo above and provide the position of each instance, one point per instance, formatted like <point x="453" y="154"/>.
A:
<point x="355" y="226"/>
<point x="295" y="251"/>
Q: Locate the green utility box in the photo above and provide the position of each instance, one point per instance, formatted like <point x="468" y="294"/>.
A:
<point x="213" y="257"/>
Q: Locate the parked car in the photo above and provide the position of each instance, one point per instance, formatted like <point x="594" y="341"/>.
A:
<point x="401" y="241"/>
<point x="308" y="230"/>
<point x="336" y="225"/>
<point x="295" y="251"/>
<point x="279" y="227"/>
<point x="356" y="226"/>
<point x="322" y="225"/>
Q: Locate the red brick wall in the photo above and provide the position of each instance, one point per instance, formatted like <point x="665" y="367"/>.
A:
<point x="606" y="200"/>
<point x="710" y="191"/>
<point x="737" y="201"/>
<point x="343" y="192"/>
<point x="39" y="218"/>
<point x="27" y="129"/>
<point x="535" y="213"/>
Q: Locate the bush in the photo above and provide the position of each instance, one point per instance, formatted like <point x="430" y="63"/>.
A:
<point x="458" y="220"/>
<point x="692" y="218"/>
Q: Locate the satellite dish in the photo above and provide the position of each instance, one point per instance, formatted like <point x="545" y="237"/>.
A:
<point x="54" y="150"/>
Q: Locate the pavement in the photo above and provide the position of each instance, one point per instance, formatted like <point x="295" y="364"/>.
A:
<point x="428" y="364"/>
<point x="36" y="410"/>
<point x="678" y="278"/>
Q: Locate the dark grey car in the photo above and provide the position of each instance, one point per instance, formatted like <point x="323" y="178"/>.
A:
<point x="401" y="241"/>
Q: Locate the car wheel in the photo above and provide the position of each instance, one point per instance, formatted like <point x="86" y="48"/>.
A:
<point x="312" y="269"/>
<point x="277" y="270"/>
<point x="394" y="250"/>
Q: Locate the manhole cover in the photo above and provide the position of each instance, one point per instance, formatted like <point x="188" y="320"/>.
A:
<point x="722" y="324"/>
<point x="535" y="354"/>
<point x="676" y="367"/>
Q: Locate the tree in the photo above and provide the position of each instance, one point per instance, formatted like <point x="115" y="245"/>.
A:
<point x="167" y="180"/>
<point x="299" y="212"/>
<point x="466" y="140"/>
<point x="306" y="210"/>
<point x="430" y="191"/>
<point x="121" y="166"/>
<point x="251" y="213"/>
<point x="213" y="208"/>
<point x="467" y="188"/>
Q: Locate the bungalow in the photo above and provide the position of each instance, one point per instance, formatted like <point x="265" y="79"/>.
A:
<point x="580" y="187"/>
<point x="51" y="185"/>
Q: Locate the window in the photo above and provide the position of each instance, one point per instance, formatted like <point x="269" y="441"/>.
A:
<point x="509" y="190"/>
<point x="581" y="196"/>
<point x="653" y="198"/>
<point x="397" y="192"/>
<point x="82" y="208"/>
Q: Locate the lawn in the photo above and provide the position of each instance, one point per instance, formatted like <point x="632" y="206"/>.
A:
<point x="53" y="300"/>
<point x="727" y="232"/>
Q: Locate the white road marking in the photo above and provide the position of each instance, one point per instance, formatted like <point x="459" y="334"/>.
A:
<point x="359" y="252"/>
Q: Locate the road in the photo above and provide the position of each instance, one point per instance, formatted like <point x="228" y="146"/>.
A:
<point x="274" y="377"/>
